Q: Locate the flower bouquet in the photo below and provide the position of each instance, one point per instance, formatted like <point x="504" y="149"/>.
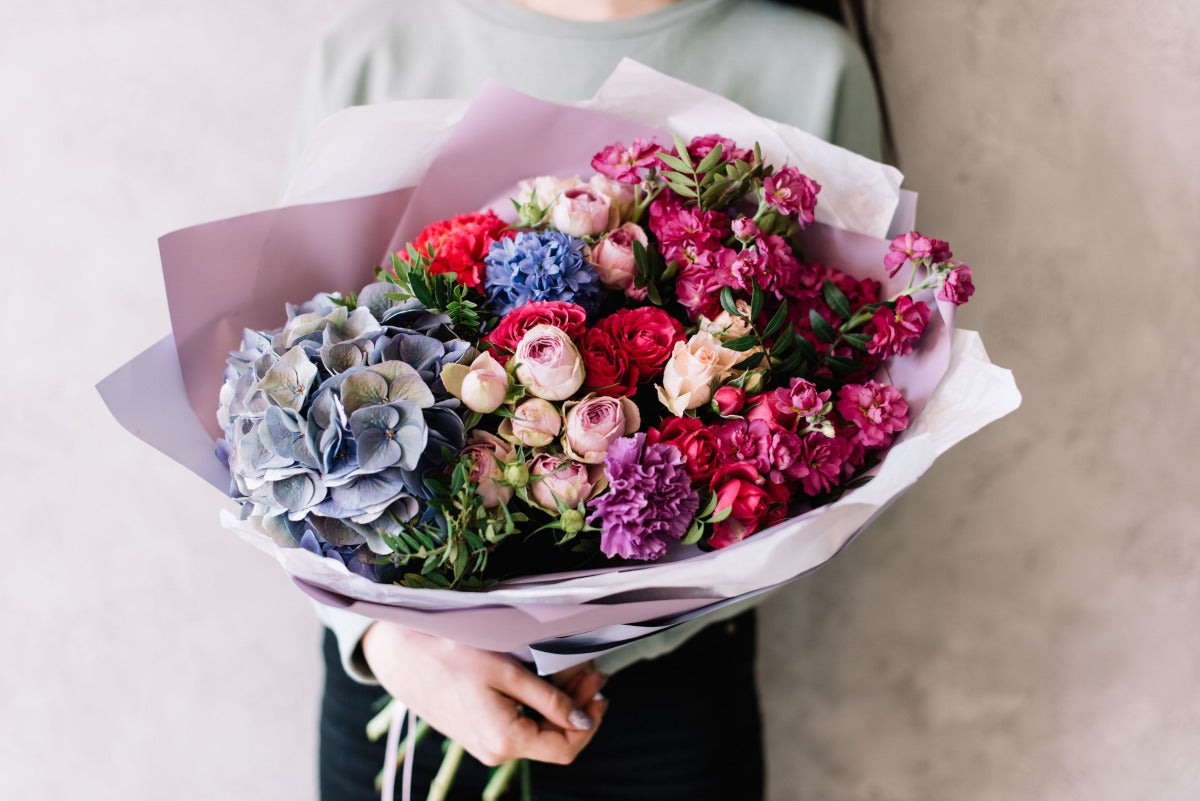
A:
<point x="563" y="413"/>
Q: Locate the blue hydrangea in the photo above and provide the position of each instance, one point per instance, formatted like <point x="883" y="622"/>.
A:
<point x="540" y="265"/>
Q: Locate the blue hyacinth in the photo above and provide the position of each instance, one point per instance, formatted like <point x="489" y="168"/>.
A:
<point x="540" y="265"/>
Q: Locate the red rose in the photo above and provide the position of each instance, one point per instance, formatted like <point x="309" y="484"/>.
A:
<point x="647" y="334"/>
<point x="568" y="317"/>
<point x="461" y="243"/>
<point x="608" y="369"/>
<point x="695" y="440"/>
<point x="737" y="489"/>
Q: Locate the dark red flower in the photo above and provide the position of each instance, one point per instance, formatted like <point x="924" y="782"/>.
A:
<point x="608" y="368"/>
<point x="647" y="334"/>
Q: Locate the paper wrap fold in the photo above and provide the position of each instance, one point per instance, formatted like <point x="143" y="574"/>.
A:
<point x="371" y="179"/>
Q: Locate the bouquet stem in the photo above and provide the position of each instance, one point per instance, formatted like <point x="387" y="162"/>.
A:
<point x="501" y="777"/>
<point x="445" y="775"/>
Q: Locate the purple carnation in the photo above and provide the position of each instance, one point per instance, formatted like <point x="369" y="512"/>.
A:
<point x="650" y="501"/>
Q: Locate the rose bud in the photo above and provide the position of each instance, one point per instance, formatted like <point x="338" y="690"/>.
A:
<point x="535" y="424"/>
<point x="595" y="423"/>
<point x="622" y="197"/>
<point x="580" y="211"/>
<point x="487" y="454"/>
<point x="613" y="256"/>
<point x="481" y="387"/>
<point x="544" y="189"/>
<point x="554" y="480"/>
<point x="729" y="400"/>
<point x="548" y="363"/>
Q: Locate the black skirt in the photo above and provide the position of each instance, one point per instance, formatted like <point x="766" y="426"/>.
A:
<point x="684" y="726"/>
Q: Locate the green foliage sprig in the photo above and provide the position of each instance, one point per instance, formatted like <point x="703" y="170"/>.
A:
<point x="440" y="293"/>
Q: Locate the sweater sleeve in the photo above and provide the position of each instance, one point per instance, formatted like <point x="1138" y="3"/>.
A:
<point x="349" y="629"/>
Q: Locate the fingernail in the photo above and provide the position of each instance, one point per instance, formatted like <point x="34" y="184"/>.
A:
<point x="599" y="696"/>
<point x="580" y="719"/>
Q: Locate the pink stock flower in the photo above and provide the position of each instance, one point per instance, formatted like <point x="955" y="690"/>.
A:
<point x="701" y="146"/>
<point x="792" y="192"/>
<point x="698" y="289"/>
<point x="876" y="410"/>
<point x="746" y="441"/>
<point x="625" y="164"/>
<point x="916" y="247"/>
<point x="893" y="331"/>
<point x="958" y="287"/>
<point x="684" y="232"/>
<point x="744" y="228"/>
<point x="801" y="398"/>
<point x="819" y="465"/>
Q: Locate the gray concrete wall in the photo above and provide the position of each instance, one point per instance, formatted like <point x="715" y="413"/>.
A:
<point x="1022" y="625"/>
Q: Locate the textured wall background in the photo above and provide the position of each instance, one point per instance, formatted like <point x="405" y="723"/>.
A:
<point x="1022" y="625"/>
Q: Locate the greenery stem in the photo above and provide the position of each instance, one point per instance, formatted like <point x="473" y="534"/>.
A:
<point x="501" y="777"/>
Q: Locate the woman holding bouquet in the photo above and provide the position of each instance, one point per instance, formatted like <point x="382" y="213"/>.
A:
<point x="678" y="716"/>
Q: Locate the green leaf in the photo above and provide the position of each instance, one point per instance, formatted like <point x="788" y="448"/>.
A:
<point x="824" y="331"/>
<point x="675" y="163"/>
<point x="756" y="302"/>
<point x="722" y="514"/>
<point x="750" y="362"/>
<point x="709" y="506"/>
<point x="777" y="320"/>
<point x="694" y="533"/>
<point x="728" y="304"/>
<point x="837" y="300"/>
<point x="711" y="160"/>
<point x="682" y="151"/>
<point x="741" y="343"/>
<point x="857" y="341"/>
<point x="686" y="190"/>
<point x="842" y="364"/>
<point x="786" y="341"/>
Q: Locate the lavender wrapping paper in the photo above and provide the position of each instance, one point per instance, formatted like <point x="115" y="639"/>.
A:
<point x="444" y="158"/>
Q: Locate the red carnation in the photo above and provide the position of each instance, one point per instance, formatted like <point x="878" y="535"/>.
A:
<point x="461" y="243"/>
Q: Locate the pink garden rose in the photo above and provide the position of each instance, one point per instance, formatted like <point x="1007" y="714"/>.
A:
<point x="613" y="256"/>
<point x="595" y="423"/>
<point x="487" y="455"/>
<point x="553" y="479"/>
<point x="729" y="400"/>
<point x="548" y="364"/>
<point x="580" y="211"/>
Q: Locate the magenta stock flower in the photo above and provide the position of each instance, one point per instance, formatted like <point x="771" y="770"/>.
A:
<point x="650" y="501"/>
<point x="957" y="287"/>
<point x="684" y="232"/>
<point x="916" y="247"/>
<point x="876" y="410"/>
<point x="819" y="465"/>
<point x="746" y="441"/>
<point x="895" y="330"/>
<point x="701" y="146"/>
<point x="625" y="164"/>
<point x="792" y="192"/>
<point x="801" y="398"/>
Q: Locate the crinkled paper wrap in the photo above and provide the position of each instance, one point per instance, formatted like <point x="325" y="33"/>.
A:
<point x="371" y="179"/>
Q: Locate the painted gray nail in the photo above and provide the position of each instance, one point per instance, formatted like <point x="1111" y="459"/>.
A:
<point x="580" y="719"/>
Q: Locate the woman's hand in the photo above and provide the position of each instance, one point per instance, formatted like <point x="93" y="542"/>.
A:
<point x="471" y="696"/>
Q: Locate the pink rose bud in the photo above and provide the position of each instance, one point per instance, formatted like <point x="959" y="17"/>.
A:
<point x="481" y="387"/>
<point x="613" y="256"/>
<point x="548" y="363"/>
<point x="580" y="211"/>
<point x="745" y="229"/>
<point x="729" y="400"/>
<point x="595" y="423"/>
<point x="535" y="424"/>
<point x="553" y="479"/>
<point x="487" y="454"/>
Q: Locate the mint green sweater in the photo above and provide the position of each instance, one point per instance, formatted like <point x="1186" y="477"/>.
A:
<point x="779" y="62"/>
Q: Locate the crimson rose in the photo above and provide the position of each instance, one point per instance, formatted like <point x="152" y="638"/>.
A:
<point x="609" y="370"/>
<point x="695" y="440"/>
<point x="647" y="334"/>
